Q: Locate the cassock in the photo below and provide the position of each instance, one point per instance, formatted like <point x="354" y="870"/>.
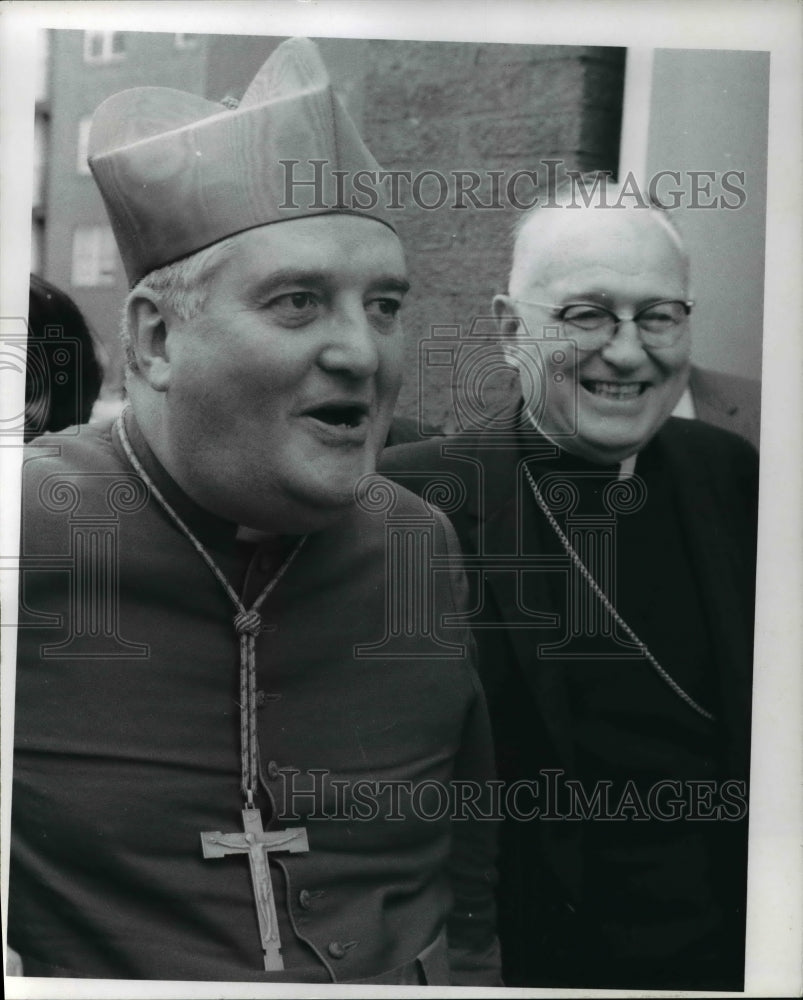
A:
<point x="624" y="849"/>
<point x="127" y="742"/>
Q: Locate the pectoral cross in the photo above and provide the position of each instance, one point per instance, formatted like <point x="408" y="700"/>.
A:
<point x="255" y="842"/>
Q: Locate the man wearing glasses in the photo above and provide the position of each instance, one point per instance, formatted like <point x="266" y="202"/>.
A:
<point x="611" y="553"/>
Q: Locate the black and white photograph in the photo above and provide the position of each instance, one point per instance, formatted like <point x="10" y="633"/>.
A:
<point x="401" y="503"/>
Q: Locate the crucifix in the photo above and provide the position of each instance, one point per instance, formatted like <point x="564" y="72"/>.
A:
<point x="255" y="842"/>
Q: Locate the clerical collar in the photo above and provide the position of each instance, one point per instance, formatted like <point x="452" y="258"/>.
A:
<point x="626" y="468"/>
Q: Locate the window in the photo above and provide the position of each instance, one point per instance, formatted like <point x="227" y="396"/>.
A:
<point x="94" y="257"/>
<point x="186" y="41"/>
<point x="84" y="126"/>
<point x="103" y="46"/>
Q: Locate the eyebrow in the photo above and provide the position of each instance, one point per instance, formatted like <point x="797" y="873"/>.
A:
<point x="391" y="283"/>
<point x="303" y="276"/>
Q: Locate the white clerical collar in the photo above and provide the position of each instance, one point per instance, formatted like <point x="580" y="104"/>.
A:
<point x="685" y="406"/>
<point x="626" y="467"/>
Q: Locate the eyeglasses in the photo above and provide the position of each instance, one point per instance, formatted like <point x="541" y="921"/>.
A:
<point x="660" y="324"/>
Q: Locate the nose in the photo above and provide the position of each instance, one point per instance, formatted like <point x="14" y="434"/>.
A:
<point x="351" y="343"/>
<point x="625" y="349"/>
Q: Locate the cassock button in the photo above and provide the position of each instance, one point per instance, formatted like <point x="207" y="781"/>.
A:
<point x="304" y="899"/>
<point x="273" y="770"/>
<point x="338" y="949"/>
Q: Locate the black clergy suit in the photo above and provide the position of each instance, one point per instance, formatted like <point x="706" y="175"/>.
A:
<point x="632" y="897"/>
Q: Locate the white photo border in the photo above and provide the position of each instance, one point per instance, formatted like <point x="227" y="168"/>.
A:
<point x="775" y="886"/>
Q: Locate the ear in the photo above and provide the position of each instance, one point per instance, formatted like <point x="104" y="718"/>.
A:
<point x="148" y="324"/>
<point x="507" y="323"/>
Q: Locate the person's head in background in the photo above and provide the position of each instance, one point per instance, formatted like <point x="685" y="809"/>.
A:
<point x="62" y="372"/>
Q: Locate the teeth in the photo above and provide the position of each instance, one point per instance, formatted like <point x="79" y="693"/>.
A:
<point x="615" y="390"/>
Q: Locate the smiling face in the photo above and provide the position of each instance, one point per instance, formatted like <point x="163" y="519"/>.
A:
<point x="277" y="398"/>
<point x="614" y="399"/>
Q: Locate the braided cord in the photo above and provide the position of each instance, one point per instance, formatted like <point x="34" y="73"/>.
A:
<point x="248" y="624"/>
<point x="603" y="597"/>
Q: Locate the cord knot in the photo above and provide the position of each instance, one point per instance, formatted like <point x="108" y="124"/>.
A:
<point x="248" y="622"/>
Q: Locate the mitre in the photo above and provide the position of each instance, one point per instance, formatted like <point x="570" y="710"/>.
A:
<point x="178" y="172"/>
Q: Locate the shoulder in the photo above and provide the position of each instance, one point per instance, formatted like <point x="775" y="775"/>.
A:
<point x="383" y="501"/>
<point x="75" y="471"/>
<point x="711" y="461"/>
<point x="448" y="472"/>
<point x="414" y="456"/>
<point x="385" y="506"/>
<point x="437" y="468"/>
<point x="695" y="440"/>
<point x="74" y="450"/>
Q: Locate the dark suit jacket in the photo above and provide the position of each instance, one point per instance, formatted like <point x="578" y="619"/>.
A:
<point x="727" y="401"/>
<point x="714" y="475"/>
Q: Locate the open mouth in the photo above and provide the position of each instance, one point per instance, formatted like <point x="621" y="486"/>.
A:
<point x="615" y="390"/>
<point x="343" y="415"/>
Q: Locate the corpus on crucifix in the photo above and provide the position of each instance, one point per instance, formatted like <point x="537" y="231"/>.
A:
<point x="255" y="842"/>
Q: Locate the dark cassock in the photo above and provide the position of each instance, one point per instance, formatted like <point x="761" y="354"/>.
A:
<point x="235" y="743"/>
<point x="624" y="848"/>
<point x="128" y="727"/>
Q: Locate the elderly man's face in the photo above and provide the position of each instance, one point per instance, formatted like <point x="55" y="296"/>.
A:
<point x="281" y="392"/>
<point x="610" y="403"/>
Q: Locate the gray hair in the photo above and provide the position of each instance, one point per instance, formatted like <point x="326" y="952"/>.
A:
<point x="182" y="286"/>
